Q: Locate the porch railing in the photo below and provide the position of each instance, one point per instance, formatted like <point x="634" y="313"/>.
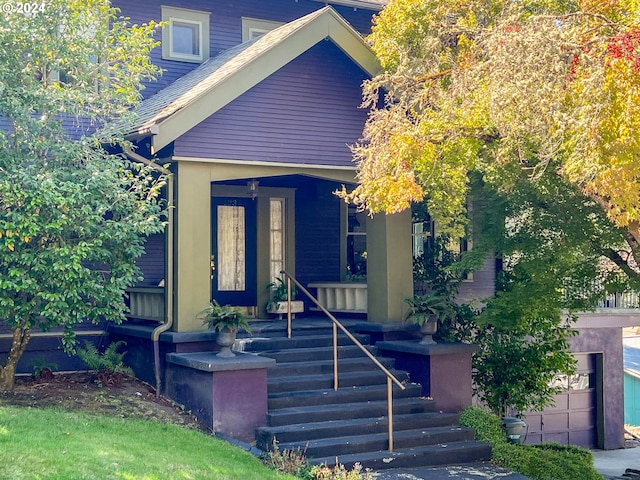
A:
<point x="391" y="379"/>
<point x="146" y="303"/>
<point x="625" y="300"/>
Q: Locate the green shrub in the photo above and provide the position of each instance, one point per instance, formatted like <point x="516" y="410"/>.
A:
<point x="488" y="427"/>
<point x="539" y="462"/>
<point x="338" y="472"/>
<point x="42" y="369"/>
<point x="294" y="462"/>
<point x="109" y="365"/>
<point x="289" y="461"/>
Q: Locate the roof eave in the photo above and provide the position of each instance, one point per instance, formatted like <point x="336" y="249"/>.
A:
<point x="355" y="4"/>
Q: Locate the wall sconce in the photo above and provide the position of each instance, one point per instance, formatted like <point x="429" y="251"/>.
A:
<point x="252" y="188"/>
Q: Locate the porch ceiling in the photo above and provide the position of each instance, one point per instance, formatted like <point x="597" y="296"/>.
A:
<point x="200" y="93"/>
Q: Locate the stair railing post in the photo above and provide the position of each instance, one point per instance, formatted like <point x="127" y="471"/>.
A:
<point x="390" y="411"/>
<point x="288" y="306"/>
<point x="336" y="324"/>
<point x="335" y="356"/>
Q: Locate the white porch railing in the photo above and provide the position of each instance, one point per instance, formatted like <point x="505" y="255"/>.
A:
<point x="146" y="303"/>
<point x="620" y="300"/>
<point x="342" y="297"/>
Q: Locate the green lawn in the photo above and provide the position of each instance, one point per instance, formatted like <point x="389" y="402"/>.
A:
<point x="57" y="444"/>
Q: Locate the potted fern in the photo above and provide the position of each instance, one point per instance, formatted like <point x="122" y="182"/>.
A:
<point x="226" y="321"/>
<point x="279" y="303"/>
<point x="427" y="310"/>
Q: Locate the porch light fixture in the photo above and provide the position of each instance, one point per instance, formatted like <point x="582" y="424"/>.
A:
<point x="252" y="188"/>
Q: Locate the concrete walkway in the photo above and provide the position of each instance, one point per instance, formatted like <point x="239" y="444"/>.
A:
<point x="613" y="463"/>
<point x="476" y="471"/>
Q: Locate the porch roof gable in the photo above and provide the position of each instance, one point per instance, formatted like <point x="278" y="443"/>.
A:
<point x="368" y="4"/>
<point x="219" y="80"/>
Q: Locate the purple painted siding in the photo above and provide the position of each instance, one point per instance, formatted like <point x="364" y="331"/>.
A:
<point x="317" y="232"/>
<point x="609" y="342"/>
<point x="306" y="113"/>
<point x="483" y="284"/>
<point x="226" y="25"/>
<point x="152" y="262"/>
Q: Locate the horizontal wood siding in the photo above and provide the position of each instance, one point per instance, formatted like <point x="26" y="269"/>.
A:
<point x="225" y="25"/>
<point x="152" y="262"/>
<point x="307" y="112"/>
<point x="317" y="232"/>
<point x="483" y="284"/>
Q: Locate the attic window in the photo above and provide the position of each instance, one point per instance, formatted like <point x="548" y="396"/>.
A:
<point x="254" y="28"/>
<point x="185" y="36"/>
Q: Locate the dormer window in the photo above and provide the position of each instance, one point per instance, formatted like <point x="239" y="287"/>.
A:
<point x="254" y="27"/>
<point x="185" y="36"/>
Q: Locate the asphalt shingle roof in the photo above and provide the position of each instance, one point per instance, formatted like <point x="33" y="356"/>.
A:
<point x="189" y="88"/>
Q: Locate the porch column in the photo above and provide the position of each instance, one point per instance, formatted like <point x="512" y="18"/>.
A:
<point x="192" y="245"/>
<point x="389" y="266"/>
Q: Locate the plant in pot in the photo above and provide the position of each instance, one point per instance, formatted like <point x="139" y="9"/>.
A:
<point x="279" y="298"/>
<point x="427" y="310"/>
<point x="226" y="321"/>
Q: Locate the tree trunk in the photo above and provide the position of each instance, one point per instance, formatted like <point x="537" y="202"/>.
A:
<point x="19" y="343"/>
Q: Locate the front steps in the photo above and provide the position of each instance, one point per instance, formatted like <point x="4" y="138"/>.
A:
<point x="351" y="425"/>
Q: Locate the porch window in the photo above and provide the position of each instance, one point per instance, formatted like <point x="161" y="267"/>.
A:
<point x="422" y="233"/>
<point x="356" y="243"/>
<point x="186" y="35"/>
<point x="231" y="248"/>
<point x="276" y="236"/>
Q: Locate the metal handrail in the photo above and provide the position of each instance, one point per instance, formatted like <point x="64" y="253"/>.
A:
<point x="336" y="324"/>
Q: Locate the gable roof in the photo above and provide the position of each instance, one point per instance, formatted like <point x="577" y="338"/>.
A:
<point x="206" y="89"/>
<point x="366" y="4"/>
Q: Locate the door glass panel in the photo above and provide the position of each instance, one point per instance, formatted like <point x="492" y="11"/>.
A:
<point x="231" y="248"/>
<point x="276" y="220"/>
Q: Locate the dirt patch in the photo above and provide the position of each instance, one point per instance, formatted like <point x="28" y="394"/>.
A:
<point x="130" y="398"/>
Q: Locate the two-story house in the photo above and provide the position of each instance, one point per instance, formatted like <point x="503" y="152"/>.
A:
<point x="254" y="115"/>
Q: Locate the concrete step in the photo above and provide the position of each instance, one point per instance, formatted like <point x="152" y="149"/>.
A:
<point x="351" y="423"/>
<point x="346" y="411"/>
<point x="452" y="453"/>
<point x="366" y="393"/>
<point x="325" y="381"/>
<point x="315" y="353"/>
<point x="259" y="344"/>
<point x="303" y="432"/>
<point x="326" y="366"/>
<point x="346" y="445"/>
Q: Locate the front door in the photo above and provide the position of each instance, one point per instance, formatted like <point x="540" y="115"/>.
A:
<point x="234" y="251"/>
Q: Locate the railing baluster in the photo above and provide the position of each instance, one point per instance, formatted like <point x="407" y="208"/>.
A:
<point x="335" y="357"/>
<point x="336" y="324"/>
<point x="390" y="412"/>
<point x="288" y="306"/>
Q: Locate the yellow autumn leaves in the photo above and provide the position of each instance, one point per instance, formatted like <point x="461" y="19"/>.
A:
<point x="10" y="236"/>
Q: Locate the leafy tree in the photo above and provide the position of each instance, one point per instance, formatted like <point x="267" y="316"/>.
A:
<point x="72" y="215"/>
<point x="519" y="92"/>
<point x="522" y="333"/>
<point x="529" y="111"/>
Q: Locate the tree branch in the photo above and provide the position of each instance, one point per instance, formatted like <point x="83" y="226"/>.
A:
<point x="620" y="262"/>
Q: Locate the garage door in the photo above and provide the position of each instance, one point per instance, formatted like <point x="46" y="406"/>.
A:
<point x="573" y="418"/>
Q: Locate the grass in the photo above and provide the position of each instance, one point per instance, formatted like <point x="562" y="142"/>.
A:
<point x="540" y="462"/>
<point x="52" y="444"/>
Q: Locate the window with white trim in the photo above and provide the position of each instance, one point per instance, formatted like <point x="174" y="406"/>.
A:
<point x="254" y="27"/>
<point x="185" y="36"/>
<point x="356" y="255"/>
